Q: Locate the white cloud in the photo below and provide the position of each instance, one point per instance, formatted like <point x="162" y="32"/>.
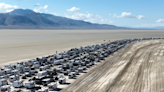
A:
<point x="160" y="21"/>
<point x="128" y="15"/>
<point x="39" y="8"/>
<point x="106" y="21"/>
<point x="7" y="8"/>
<point x="140" y="17"/>
<point x="45" y="7"/>
<point x="80" y="16"/>
<point x="89" y="17"/>
<point x="73" y="9"/>
<point x="147" y="25"/>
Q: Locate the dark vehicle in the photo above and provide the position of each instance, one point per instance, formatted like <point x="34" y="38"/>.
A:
<point x="38" y="81"/>
<point x="32" y="68"/>
<point x="56" y="78"/>
<point x="37" y="87"/>
<point x="24" y="77"/>
<point x="33" y="72"/>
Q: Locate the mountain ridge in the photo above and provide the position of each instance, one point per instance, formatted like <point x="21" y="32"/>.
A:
<point x="28" y="19"/>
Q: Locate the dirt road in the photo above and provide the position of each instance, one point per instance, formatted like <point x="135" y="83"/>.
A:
<point x="138" y="67"/>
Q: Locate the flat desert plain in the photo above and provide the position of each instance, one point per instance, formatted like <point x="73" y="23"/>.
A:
<point x="136" y="68"/>
<point x="18" y="45"/>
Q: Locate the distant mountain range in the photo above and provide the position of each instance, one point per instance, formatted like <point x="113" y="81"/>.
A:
<point x="28" y="19"/>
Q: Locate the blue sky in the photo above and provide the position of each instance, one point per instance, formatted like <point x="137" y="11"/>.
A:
<point x="128" y="13"/>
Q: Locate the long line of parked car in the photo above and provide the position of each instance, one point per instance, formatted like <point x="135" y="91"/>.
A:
<point x="44" y="74"/>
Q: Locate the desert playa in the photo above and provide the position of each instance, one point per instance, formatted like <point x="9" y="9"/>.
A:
<point x="18" y="45"/>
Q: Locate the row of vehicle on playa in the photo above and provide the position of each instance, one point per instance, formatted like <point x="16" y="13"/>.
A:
<point x="46" y="73"/>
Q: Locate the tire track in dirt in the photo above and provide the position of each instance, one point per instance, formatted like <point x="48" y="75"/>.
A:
<point x="111" y="75"/>
<point x="130" y="74"/>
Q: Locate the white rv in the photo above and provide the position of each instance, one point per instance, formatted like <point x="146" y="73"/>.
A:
<point x="36" y="66"/>
<point x="7" y="71"/>
<point x="42" y="68"/>
<point x="56" y="62"/>
<point x="30" y="84"/>
<point x="13" y="78"/>
<point x="15" y="72"/>
<point x="8" y="66"/>
<point x="6" y="88"/>
<point x="42" y="74"/>
<point x="62" y="80"/>
<point x="26" y="69"/>
<point x="2" y="73"/>
<point x="52" y="86"/>
<point x="18" y="83"/>
<point x="43" y="90"/>
<point x="59" y="70"/>
<point x="3" y="82"/>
